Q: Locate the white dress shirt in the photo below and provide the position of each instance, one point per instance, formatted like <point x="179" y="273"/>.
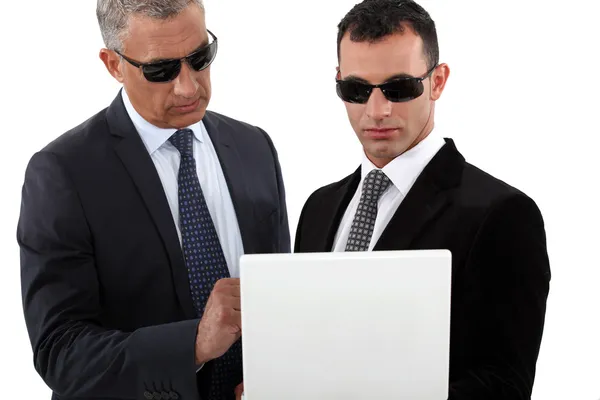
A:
<point x="166" y="159"/>
<point x="403" y="171"/>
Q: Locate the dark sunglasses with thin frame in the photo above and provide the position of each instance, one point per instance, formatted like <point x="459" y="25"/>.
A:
<point x="166" y="70"/>
<point x="396" y="90"/>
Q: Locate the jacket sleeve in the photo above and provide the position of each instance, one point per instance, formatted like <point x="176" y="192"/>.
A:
<point x="505" y="302"/>
<point x="284" y="239"/>
<point x="73" y="353"/>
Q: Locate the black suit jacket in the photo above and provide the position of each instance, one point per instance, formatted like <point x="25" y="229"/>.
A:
<point x="500" y="267"/>
<point x="105" y="289"/>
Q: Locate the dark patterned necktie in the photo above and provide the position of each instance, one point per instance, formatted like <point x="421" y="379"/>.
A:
<point x="375" y="183"/>
<point x="204" y="258"/>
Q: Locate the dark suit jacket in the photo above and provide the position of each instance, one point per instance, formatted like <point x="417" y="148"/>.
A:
<point x="500" y="266"/>
<point x="105" y="289"/>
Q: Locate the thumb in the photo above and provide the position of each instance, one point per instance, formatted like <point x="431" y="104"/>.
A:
<point x="239" y="390"/>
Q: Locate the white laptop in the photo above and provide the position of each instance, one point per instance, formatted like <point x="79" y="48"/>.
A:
<point x="358" y="325"/>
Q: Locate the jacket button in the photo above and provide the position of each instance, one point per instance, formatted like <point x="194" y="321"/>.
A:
<point x="148" y="395"/>
<point x="174" y="396"/>
<point x="164" y="395"/>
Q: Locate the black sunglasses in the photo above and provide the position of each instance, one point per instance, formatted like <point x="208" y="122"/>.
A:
<point x="167" y="70"/>
<point x="396" y="90"/>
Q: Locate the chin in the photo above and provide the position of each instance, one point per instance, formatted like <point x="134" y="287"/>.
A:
<point x="383" y="151"/>
<point x="380" y="148"/>
<point x="187" y="119"/>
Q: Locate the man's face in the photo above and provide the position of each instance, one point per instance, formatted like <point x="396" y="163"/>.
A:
<point x="384" y="128"/>
<point x="180" y="102"/>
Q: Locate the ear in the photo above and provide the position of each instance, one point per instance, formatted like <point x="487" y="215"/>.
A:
<point x="439" y="77"/>
<point x="337" y="72"/>
<point x="112" y="62"/>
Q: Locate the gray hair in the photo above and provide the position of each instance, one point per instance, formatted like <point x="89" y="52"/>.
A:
<point x="113" y="16"/>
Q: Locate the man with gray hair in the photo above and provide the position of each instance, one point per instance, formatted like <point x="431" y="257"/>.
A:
<point x="132" y="223"/>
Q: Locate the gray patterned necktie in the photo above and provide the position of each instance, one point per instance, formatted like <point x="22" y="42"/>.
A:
<point x="375" y="183"/>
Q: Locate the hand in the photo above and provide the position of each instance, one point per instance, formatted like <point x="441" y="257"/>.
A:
<point x="239" y="390"/>
<point x="221" y="323"/>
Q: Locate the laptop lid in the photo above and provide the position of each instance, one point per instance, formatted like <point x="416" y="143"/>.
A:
<point x="359" y="325"/>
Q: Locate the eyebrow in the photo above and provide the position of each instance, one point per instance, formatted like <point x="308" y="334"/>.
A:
<point x="157" y="60"/>
<point x="396" y="76"/>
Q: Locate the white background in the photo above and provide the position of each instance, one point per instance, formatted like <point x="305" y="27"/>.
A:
<point x="520" y="103"/>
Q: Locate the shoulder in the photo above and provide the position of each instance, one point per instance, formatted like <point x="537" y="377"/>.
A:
<point x="237" y="127"/>
<point x="509" y="236"/>
<point x="70" y="150"/>
<point x="67" y="153"/>
<point x="477" y="179"/>
<point x="496" y="199"/>
<point x="80" y="139"/>
<point x="244" y="134"/>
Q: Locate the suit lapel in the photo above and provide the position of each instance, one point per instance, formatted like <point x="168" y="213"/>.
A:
<point x="429" y="196"/>
<point x="233" y="170"/>
<point x="422" y="204"/>
<point x="132" y="152"/>
<point x="331" y="214"/>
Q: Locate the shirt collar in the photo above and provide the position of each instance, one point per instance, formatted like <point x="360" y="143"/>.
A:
<point x="404" y="170"/>
<point x="153" y="136"/>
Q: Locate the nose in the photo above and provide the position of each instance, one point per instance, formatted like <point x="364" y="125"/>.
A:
<point x="185" y="83"/>
<point x="378" y="107"/>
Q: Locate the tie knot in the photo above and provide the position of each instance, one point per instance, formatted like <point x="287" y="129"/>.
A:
<point x="375" y="183"/>
<point x="183" y="141"/>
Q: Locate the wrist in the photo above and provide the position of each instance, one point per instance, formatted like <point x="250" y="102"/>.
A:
<point x="201" y="357"/>
<point x="202" y="354"/>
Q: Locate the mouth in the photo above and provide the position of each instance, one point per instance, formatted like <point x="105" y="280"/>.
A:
<point x="380" y="133"/>
<point x="189" y="107"/>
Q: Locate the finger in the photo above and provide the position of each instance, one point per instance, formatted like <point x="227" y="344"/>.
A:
<point x="229" y="282"/>
<point x="232" y="290"/>
<point x="228" y="286"/>
<point x="236" y="303"/>
<point x="226" y="303"/>
<point x="235" y="319"/>
<point x="239" y="390"/>
<point x="227" y="294"/>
